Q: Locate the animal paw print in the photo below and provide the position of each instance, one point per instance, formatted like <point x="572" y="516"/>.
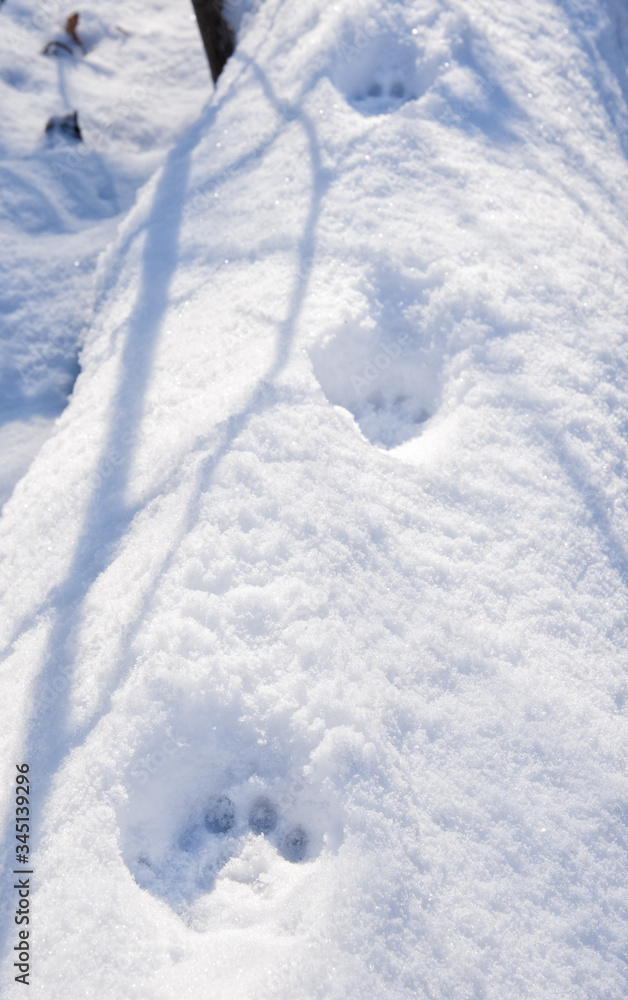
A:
<point x="263" y="820"/>
<point x="294" y="845"/>
<point x="222" y="824"/>
<point x="385" y="92"/>
<point x="263" y="817"/>
<point x="396" y="90"/>
<point x="220" y="816"/>
<point x="218" y="834"/>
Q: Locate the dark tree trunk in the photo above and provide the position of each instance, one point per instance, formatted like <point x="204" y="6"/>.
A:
<point x="216" y="34"/>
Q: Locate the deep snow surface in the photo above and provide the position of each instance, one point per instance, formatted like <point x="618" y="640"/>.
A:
<point x="315" y="598"/>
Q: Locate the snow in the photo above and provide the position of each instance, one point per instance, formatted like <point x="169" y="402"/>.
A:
<point x="61" y="201"/>
<point x="314" y="594"/>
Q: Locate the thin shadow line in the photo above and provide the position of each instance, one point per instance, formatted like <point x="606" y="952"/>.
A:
<point x="264" y="395"/>
<point x="612" y="545"/>
<point x="107" y="517"/>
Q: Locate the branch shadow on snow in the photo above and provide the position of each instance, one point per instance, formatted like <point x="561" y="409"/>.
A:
<point x="108" y="516"/>
<point x="607" y="55"/>
<point x="489" y="108"/>
<point x="594" y="502"/>
<point x="264" y="394"/>
<point x="262" y="397"/>
<point x="194" y="877"/>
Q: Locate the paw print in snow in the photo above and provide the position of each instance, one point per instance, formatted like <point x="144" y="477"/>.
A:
<point x="210" y="840"/>
<point x="220" y="815"/>
<point x="263" y="818"/>
<point x="384" y="94"/>
<point x="385" y="74"/>
<point x="294" y="845"/>
<point x="221" y="820"/>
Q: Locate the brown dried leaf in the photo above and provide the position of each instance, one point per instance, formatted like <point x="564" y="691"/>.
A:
<point x="70" y="27"/>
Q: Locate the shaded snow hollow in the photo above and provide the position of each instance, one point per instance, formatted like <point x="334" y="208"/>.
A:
<point x="314" y="600"/>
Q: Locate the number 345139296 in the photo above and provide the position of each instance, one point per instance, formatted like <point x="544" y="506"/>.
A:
<point x="22" y="810"/>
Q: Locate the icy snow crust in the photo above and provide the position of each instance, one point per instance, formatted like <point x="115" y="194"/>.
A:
<point x="315" y="599"/>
